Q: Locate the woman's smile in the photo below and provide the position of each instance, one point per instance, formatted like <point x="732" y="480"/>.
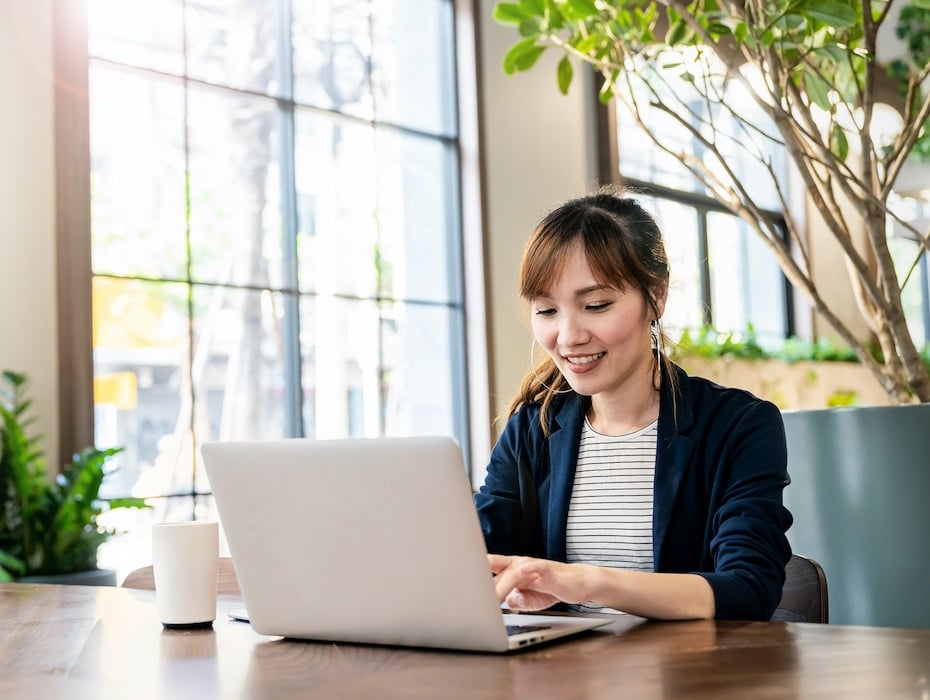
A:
<point x="583" y="363"/>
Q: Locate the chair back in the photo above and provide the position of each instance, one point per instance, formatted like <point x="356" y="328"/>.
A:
<point x="226" y="583"/>
<point x="804" y="596"/>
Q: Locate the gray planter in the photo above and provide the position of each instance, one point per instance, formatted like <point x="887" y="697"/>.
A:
<point x="93" y="577"/>
<point x="860" y="495"/>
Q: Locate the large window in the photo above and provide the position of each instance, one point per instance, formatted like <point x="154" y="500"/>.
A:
<point x="276" y="233"/>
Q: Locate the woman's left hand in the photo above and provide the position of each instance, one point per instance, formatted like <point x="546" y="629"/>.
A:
<point x="528" y="584"/>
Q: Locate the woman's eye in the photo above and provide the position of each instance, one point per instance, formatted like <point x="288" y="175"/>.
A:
<point x="545" y="312"/>
<point x="598" y="307"/>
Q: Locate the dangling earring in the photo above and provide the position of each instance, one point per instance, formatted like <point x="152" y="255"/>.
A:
<point x="657" y="341"/>
<point x="536" y="374"/>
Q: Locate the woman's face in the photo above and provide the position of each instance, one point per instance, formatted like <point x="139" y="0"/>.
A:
<point x="598" y="337"/>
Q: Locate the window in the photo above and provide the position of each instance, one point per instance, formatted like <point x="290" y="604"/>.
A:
<point x="911" y="261"/>
<point x="277" y="233"/>
<point x="722" y="274"/>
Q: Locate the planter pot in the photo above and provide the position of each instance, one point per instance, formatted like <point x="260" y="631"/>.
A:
<point x="859" y="484"/>
<point x="93" y="577"/>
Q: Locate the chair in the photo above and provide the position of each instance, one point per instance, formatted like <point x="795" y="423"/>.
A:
<point x="804" y="596"/>
<point x="226" y="583"/>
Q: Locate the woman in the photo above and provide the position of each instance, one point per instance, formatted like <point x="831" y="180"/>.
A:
<point x="619" y="482"/>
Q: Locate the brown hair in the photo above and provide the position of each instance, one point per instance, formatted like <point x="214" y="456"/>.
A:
<point x="624" y="249"/>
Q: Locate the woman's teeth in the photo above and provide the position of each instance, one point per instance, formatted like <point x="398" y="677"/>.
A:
<point x="584" y="359"/>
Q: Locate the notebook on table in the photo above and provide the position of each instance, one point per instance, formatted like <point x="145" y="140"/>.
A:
<point x="368" y="541"/>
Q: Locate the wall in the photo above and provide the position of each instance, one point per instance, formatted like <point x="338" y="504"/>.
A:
<point x="538" y="149"/>
<point x="28" y="307"/>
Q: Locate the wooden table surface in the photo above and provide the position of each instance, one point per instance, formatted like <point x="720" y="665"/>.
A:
<point x="80" y="642"/>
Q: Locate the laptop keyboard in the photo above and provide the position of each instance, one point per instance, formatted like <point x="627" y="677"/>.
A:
<point x="520" y="629"/>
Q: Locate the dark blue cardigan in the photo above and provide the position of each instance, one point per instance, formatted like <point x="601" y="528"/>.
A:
<point x="717" y="510"/>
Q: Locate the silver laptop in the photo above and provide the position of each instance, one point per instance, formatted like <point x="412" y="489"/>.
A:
<point x="369" y="540"/>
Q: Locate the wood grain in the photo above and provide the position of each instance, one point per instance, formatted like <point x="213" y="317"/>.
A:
<point x="108" y="640"/>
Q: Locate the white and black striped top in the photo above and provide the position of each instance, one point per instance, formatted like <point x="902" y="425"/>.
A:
<point x="610" y="512"/>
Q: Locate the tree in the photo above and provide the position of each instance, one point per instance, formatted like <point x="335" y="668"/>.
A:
<point x="811" y="66"/>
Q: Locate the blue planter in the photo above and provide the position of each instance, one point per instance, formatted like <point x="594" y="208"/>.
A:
<point x="860" y="480"/>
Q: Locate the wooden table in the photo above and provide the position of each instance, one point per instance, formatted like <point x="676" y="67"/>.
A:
<point x="81" y="642"/>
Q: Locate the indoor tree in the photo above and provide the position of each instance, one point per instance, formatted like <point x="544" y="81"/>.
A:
<point x="814" y="69"/>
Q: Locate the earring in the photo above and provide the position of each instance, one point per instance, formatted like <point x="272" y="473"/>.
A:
<point x="657" y="341"/>
<point x="536" y="374"/>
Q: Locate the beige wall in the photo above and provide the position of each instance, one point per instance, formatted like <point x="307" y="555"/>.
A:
<point x="538" y="149"/>
<point x="28" y="307"/>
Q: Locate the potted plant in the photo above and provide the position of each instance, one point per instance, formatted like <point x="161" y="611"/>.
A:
<point x="843" y="88"/>
<point x="48" y="527"/>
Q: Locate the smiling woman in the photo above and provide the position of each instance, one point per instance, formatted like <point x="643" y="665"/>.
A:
<point x="619" y="482"/>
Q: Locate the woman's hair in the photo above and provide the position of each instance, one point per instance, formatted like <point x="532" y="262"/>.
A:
<point x="624" y="249"/>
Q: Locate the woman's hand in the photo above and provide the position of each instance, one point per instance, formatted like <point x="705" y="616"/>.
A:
<point x="528" y="584"/>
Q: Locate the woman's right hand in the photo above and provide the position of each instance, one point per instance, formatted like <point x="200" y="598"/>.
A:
<point x="529" y="584"/>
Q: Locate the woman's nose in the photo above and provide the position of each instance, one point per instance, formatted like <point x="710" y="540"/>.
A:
<point x="571" y="331"/>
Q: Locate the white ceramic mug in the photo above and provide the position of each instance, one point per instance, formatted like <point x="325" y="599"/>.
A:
<point x="185" y="558"/>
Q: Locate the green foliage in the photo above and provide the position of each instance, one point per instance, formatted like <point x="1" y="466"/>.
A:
<point x="843" y="398"/>
<point x="913" y="28"/>
<point x="820" y="43"/>
<point x="46" y="527"/>
<point x="710" y="343"/>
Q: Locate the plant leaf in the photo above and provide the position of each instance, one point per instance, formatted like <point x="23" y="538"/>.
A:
<point x="834" y="14"/>
<point x="839" y="144"/>
<point x="564" y="74"/>
<point x="509" y="13"/>
<point x="577" y="10"/>
<point x="818" y="90"/>
<point x="522" y="55"/>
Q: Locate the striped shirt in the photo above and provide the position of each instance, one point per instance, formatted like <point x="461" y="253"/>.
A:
<point x="610" y="512"/>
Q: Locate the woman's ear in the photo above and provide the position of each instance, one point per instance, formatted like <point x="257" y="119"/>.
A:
<point x="660" y="296"/>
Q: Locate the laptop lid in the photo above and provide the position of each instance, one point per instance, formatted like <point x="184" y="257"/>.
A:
<point x="366" y="540"/>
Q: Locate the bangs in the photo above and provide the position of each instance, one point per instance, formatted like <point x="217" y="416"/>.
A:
<point x="545" y="259"/>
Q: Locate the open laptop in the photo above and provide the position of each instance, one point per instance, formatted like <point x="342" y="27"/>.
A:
<point x="369" y="540"/>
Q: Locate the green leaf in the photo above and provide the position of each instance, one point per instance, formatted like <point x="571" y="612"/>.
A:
<point x="831" y="52"/>
<point x="522" y="55"/>
<point x="834" y="14"/>
<point x="589" y="43"/>
<point x="839" y="144"/>
<point x="818" y="90"/>
<point x="528" y="28"/>
<point x="577" y="10"/>
<point x="10" y="565"/>
<point x="535" y="8"/>
<point x="564" y="74"/>
<point x="556" y="21"/>
<point x="677" y="31"/>
<point x="921" y="4"/>
<point x="509" y="13"/>
<point x="606" y="93"/>
<point x="790" y="23"/>
<point x="128" y="503"/>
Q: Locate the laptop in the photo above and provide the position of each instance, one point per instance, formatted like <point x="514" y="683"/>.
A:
<point x="371" y="541"/>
